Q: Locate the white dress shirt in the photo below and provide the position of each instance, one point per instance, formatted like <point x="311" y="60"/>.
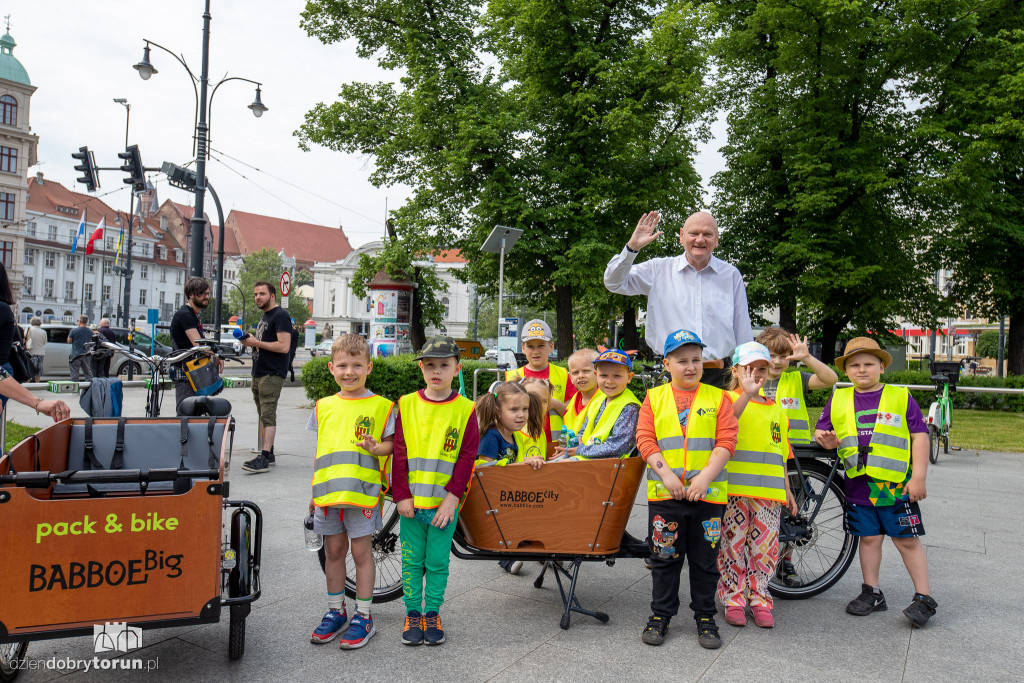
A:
<point x="711" y="302"/>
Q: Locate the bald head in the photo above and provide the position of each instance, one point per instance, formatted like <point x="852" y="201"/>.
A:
<point x="699" y="237"/>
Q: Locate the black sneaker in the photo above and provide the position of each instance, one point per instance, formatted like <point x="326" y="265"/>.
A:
<point x="867" y="602"/>
<point x="511" y="566"/>
<point x="647" y="563"/>
<point x="654" y="633"/>
<point x="433" y="634"/>
<point x="257" y="465"/>
<point x="271" y="460"/>
<point x="787" y="574"/>
<point x="921" y="609"/>
<point x="707" y="633"/>
<point x="412" y="634"/>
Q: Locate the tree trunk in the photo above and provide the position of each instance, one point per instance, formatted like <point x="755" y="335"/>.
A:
<point x="632" y="341"/>
<point x="417" y="333"/>
<point x="1015" y="343"/>
<point x="787" y="316"/>
<point x="829" y="334"/>
<point x="563" y="315"/>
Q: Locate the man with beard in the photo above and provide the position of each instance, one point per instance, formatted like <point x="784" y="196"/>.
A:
<point x="186" y="330"/>
<point x="270" y="347"/>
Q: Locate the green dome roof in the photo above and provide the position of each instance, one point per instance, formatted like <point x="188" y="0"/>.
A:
<point x="10" y="67"/>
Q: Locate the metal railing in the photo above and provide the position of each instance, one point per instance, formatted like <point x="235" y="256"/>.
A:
<point x="959" y="388"/>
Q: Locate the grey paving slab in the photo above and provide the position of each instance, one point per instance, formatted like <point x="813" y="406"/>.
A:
<point x="501" y="628"/>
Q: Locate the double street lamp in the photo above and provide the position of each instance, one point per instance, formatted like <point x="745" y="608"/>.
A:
<point x="203" y="115"/>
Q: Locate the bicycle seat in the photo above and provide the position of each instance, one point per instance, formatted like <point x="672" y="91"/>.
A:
<point x="196" y="406"/>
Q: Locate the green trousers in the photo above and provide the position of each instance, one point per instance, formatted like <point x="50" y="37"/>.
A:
<point x="426" y="553"/>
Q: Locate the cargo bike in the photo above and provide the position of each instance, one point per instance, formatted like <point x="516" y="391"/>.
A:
<point x="569" y="513"/>
<point x="110" y="525"/>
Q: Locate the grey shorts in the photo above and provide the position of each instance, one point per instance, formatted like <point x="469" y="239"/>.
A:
<point x="351" y="520"/>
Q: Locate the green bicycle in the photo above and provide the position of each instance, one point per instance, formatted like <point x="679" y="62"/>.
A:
<point x="940" y="414"/>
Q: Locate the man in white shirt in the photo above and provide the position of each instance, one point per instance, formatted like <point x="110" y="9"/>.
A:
<point x="695" y="291"/>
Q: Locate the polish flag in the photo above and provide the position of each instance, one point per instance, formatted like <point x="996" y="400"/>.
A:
<point x="97" y="234"/>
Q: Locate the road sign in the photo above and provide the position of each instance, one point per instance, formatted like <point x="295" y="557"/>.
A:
<point x="286" y="283"/>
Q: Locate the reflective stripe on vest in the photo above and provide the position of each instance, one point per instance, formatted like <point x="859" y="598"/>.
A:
<point x="433" y="435"/>
<point x="343" y="472"/>
<point x="790" y="395"/>
<point x="558" y="378"/>
<point x="888" y="457"/>
<point x="599" y="429"/>
<point x="688" y="455"/>
<point x="758" y="468"/>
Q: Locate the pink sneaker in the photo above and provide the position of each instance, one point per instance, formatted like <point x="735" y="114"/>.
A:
<point x="763" y="616"/>
<point x="736" y="615"/>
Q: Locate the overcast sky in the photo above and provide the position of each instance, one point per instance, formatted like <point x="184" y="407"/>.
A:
<point x="80" y="55"/>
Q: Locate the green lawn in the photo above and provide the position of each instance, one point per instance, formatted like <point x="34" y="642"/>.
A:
<point x="985" y="430"/>
<point x="17" y="433"/>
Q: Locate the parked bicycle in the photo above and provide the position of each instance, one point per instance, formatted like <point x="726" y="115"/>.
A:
<point x="159" y="366"/>
<point x="945" y="374"/>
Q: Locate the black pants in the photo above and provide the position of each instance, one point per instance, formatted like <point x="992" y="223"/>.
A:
<point x="677" y="532"/>
<point x="182" y="390"/>
<point x="717" y="377"/>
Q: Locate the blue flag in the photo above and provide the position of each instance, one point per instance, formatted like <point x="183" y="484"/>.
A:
<point x="79" y="234"/>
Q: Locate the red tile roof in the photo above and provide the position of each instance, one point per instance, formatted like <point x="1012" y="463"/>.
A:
<point x="306" y="242"/>
<point x="46" y="195"/>
<point x="449" y="256"/>
<point x="230" y="243"/>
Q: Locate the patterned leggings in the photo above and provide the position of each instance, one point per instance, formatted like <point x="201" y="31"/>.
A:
<point x="750" y="551"/>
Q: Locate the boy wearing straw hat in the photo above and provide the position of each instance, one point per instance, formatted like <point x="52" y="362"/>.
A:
<point x="882" y="440"/>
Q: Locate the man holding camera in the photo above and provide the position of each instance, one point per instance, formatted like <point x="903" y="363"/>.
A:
<point x="186" y="330"/>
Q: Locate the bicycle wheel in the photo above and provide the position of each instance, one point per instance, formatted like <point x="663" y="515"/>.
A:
<point x="934" y="443"/>
<point x="387" y="559"/>
<point x="823" y="549"/>
<point x="12" y="658"/>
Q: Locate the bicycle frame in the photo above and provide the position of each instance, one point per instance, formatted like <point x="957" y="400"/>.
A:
<point x="788" y="531"/>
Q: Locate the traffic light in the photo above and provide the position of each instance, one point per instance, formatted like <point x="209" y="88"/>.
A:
<point x="133" y="167"/>
<point x="178" y="176"/>
<point x="91" y="179"/>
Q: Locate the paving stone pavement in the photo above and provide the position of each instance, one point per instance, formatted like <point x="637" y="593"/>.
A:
<point x="500" y="628"/>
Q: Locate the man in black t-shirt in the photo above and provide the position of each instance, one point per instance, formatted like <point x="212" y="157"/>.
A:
<point x="270" y="346"/>
<point x="186" y="329"/>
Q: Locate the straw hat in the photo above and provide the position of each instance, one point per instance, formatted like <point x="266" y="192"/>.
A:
<point x="863" y="345"/>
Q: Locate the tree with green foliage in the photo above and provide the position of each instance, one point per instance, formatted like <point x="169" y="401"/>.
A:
<point x="975" y="121"/>
<point x="406" y="256"/>
<point x="818" y="201"/>
<point x="264" y="265"/>
<point x="567" y="124"/>
<point x="988" y="345"/>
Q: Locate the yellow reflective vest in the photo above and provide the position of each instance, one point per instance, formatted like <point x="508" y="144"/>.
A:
<point x="790" y="396"/>
<point x="598" y="430"/>
<point x="758" y="468"/>
<point x="573" y="419"/>
<point x="433" y="435"/>
<point x="888" y="457"/>
<point x="686" y="455"/>
<point x="558" y="377"/>
<point x="343" y="472"/>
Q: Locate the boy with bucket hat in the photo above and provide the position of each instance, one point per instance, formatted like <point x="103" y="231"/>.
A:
<point x="882" y="440"/>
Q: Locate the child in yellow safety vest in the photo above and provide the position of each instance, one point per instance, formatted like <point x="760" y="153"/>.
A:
<point x="581" y="374"/>
<point x="355" y="432"/>
<point x="510" y="420"/>
<point x="686" y="432"/>
<point x="882" y="440"/>
<point x="758" y="488"/>
<point x="436" y="440"/>
<point x="541" y="389"/>
<point x="789" y="390"/>
<point x="608" y="427"/>
<point x="538" y="344"/>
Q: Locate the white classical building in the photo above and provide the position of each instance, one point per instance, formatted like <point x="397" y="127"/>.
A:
<point x="335" y="304"/>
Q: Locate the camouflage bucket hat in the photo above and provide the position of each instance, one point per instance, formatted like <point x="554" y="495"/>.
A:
<point x="440" y="347"/>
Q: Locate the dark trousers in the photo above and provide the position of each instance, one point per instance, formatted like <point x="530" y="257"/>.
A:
<point x="677" y="532"/>
<point x="182" y="390"/>
<point x="716" y="377"/>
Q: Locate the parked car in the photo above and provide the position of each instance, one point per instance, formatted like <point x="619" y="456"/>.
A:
<point x="322" y="349"/>
<point x="491" y="354"/>
<point x="58" y="351"/>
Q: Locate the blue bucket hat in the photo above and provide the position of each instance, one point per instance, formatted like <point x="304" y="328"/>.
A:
<point x="681" y="338"/>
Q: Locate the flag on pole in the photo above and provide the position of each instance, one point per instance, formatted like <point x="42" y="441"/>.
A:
<point x="79" y="234"/>
<point x="97" y="234"/>
<point x="120" y="243"/>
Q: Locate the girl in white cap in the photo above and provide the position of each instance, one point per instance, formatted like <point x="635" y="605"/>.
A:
<point x="758" y="488"/>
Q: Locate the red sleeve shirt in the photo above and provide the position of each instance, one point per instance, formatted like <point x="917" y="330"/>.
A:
<point x="463" y="465"/>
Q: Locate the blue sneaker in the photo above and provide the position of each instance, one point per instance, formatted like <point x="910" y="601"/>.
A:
<point x="330" y="627"/>
<point x="433" y="634"/>
<point x="359" y="631"/>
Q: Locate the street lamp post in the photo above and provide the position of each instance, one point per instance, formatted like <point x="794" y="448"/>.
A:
<point x="202" y="129"/>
